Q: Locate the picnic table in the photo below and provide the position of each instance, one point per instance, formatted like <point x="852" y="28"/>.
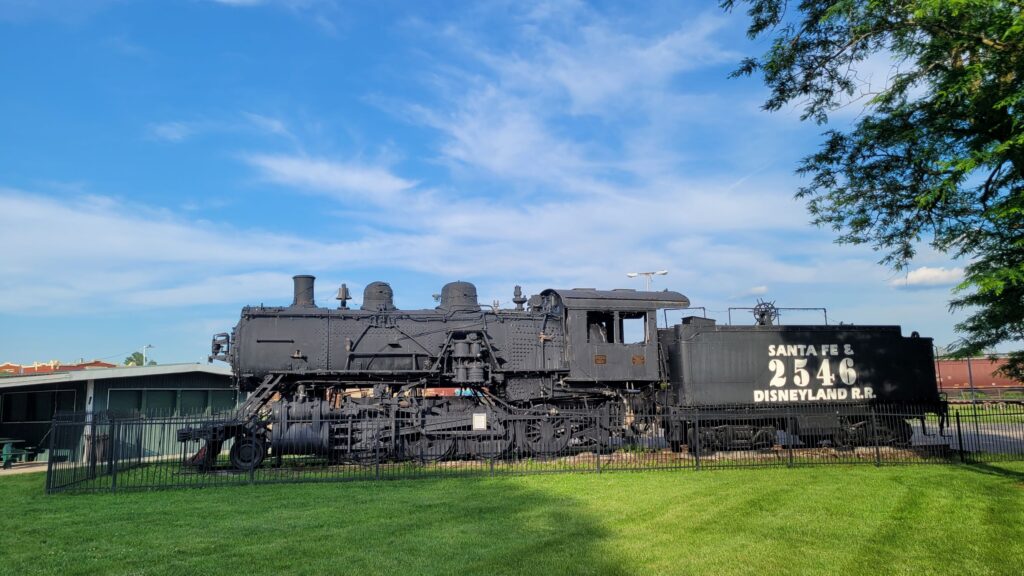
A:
<point x="10" y="453"/>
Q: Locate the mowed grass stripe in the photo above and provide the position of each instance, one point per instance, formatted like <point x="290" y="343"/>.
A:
<point x="827" y="520"/>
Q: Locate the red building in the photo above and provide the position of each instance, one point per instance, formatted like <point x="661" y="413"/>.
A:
<point x="12" y="369"/>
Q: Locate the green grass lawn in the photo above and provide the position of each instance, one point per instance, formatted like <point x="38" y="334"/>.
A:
<point x="925" y="519"/>
<point x="988" y="414"/>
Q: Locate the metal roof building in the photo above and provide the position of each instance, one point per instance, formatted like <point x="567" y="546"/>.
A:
<point x="28" y="403"/>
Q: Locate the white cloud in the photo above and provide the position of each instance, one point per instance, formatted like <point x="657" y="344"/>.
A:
<point x="92" y="257"/>
<point x="173" y="131"/>
<point x="219" y="289"/>
<point x="244" y="122"/>
<point x="929" y="277"/>
<point x="91" y="253"/>
<point x="240" y="2"/>
<point x="71" y="11"/>
<point x="109" y="256"/>
<point x="578" y="103"/>
<point x="342" y="181"/>
<point x="505" y="138"/>
<point x="268" y="124"/>
<point x="291" y="4"/>
<point x="602" y="66"/>
<point x="323" y="13"/>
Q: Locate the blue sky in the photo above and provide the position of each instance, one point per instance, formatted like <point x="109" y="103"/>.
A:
<point x="164" y="163"/>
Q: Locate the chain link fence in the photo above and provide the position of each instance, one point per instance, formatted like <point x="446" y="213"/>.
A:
<point x="107" y="452"/>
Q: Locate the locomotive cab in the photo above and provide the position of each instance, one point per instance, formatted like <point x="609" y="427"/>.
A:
<point x="612" y="334"/>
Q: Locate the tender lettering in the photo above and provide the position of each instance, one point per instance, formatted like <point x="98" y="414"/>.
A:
<point x="808" y="350"/>
<point x="812" y="373"/>
<point x="810" y="395"/>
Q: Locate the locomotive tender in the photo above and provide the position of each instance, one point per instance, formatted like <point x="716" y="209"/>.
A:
<point x="563" y="370"/>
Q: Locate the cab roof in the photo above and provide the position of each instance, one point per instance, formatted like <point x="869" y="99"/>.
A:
<point x="620" y="299"/>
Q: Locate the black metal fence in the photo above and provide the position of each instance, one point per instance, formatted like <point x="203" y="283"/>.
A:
<point x="104" y="452"/>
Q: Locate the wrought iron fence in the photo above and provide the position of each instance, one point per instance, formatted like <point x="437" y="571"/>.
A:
<point x="107" y="452"/>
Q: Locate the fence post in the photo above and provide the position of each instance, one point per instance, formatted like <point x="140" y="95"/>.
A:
<point x="113" y="448"/>
<point x="874" y="436"/>
<point x="376" y="459"/>
<point x="696" y="437"/>
<point x="49" y="457"/>
<point x="252" y="461"/>
<point x="959" y="437"/>
<point x="789" y="440"/>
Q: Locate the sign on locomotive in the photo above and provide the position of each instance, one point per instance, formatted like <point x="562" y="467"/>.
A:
<point x="563" y="370"/>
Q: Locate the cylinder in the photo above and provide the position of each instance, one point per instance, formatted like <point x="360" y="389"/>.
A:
<point x="303" y="291"/>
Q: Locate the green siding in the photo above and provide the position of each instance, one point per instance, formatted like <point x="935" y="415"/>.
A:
<point x="188" y="393"/>
<point x="164" y="394"/>
<point x="34" y="433"/>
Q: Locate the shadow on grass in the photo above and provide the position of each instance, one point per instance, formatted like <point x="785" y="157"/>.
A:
<point x="986" y="468"/>
<point x="401" y="527"/>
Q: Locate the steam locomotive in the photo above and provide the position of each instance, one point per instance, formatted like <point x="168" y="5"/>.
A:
<point x="563" y="370"/>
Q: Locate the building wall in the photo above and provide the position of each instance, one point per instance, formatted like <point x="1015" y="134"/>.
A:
<point x="26" y="411"/>
<point x="22" y="414"/>
<point x="165" y="395"/>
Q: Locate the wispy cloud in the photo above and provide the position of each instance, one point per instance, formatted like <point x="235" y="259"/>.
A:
<point x="342" y="181"/>
<point x="177" y="131"/>
<point x="601" y="67"/>
<point x="530" y="112"/>
<point x="929" y="277"/>
<point x="505" y="138"/>
<point x="126" y="46"/>
<point x="147" y="258"/>
<point x="106" y="255"/>
<point x="173" y="131"/>
<point x="240" y="3"/>
<point x="268" y="124"/>
<point x="323" y="13"/>
<point x="292" y="4"/>
<point x="59" y="10"/>
<point x="752" y="292"/>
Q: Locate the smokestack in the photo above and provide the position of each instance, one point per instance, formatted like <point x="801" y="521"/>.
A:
<point x="303" y="291"/>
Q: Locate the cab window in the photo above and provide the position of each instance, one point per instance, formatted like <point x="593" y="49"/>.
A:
<point x="599" y="327"/>
<point x="633" y="327"/>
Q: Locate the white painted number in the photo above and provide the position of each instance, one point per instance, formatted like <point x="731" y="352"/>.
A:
<point x="825" y="375"/>
<point x="779" y="380"/>
<point x="847" y="373"/>
<point x="800" y="377"/>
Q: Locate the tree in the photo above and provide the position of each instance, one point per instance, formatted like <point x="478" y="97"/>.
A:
<point x="938" y="153"/>
<point x="136" y="359"/>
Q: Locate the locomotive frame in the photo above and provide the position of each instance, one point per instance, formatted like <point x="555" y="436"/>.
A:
<point x="565" y="370"/>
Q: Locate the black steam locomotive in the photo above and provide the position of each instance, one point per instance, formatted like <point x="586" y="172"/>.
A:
<point x="563" y="370"/>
